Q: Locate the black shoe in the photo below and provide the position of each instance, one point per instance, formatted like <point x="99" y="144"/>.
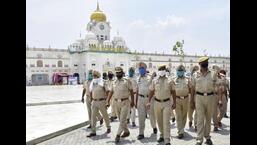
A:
<point x="160" y="139"/>
<point x="167" y="144"/>
<point x="89" y="127"/>
<point x="133" y="124"/>
<point x="190" y="123"/>
<point x="219" y="124"/>
<point x="215" y="129"/>
<point x="108" y="130"/>
<point x="180" y="136"/>
<point x="173" y="119"/>
<point x="101" y="121"/>
<point x="128" y="121"/>
<point x="208" y="142"/>
<point x="226" y="116"/>
<point x="125" y="134"/>
<point x="91" y="134"/>
<point x="117" y="139"/>
<point x="155" y="130"/>
<point x="140" y="136"/>
<point x="111" y="119"/>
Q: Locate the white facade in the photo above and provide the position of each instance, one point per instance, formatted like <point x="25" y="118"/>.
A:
<point x="97" y="51"/>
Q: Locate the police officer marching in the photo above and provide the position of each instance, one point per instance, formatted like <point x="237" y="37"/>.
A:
<point x="88" y="98"/>
<point x="204" y="82"/>
<point x="121" y="90"/>
<point x="182" y="88"/>
<point x="163" y="103"/>
<point x="98" y="89"/>
<point x="142" y="92"/>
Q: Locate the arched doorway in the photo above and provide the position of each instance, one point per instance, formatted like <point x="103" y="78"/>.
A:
<point x="76" y="75"/>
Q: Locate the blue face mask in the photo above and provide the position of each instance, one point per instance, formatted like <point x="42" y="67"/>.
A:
<point x="130" y="73"/>
<point x="180" y="73"/>
<point x="142" y="71"/>
<point x="90" y="77"/>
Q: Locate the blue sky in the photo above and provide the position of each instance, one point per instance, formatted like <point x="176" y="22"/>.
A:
<point x="146" y="25"/>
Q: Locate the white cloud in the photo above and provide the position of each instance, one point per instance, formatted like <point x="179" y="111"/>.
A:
<point x="171" y="20"/>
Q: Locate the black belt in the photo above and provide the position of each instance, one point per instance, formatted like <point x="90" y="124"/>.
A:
<point x="204" y="94"/>
<point x="142" y="95"/>
<point x="99" y="99"/>
<point x="182" y="97"/>
<point x="120" y="100"/>
<point x="164" y="100"/>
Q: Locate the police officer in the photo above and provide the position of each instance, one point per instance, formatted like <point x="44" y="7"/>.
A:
<point x="182" y="88"/>
<point x="88" y="99"/>
<point x="217" y="104"/>
<point x="204" y="82"/>
<point x="163" y="103"/>
<point x="98" y="89"/>
<point x="109" y="83"/>
<point x="144" y="82"/>
<point x="132" y="112"/>
<point x="173" y="119"/>
<point x="224" y="88"/>
<point x="121" y="90"/>
<point x="192" y="111"/>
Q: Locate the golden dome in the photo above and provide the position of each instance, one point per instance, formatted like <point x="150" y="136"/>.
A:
<point x="98" y="15"/>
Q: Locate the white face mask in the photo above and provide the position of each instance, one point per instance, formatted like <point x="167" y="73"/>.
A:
<point x="162" y="73"/>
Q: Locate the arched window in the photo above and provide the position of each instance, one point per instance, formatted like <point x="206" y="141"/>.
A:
<point x="59" y="63"/>
<point x="39" y="63"/>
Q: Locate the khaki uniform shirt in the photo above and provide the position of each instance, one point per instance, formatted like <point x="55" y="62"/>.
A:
<point x="143" y="84"/>
<point x="204" y="84"/>
<point x="181" y="86"/>
<point x="99" y="91"/>
<point x="162" y="87"/>
<point x="121" y="88"/>
<point x="134" y="83"/>
<point x="86" y="86"/>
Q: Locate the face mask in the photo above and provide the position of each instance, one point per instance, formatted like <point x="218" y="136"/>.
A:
<point x="110" y="76"/>
<point x="142" y="71"/>
<point x="161" y="73"/>
<point x="180" y="73"/>
<point x="204" y="65"/>
<point x="90" y="77"/>
<point x="131" y="73"/>
<point x="119" y="75"/>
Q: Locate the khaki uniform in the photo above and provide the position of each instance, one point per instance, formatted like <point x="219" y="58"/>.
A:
<point x="182" y="88"/>
<point x="121" y="90"/>
<point x="113" y="112"/>
<point x="162" y="87"/>
<point x="191" y="111"/>
<point x="88" y="101"/>
<point x="99" y="104"/>
<point x="132" y="112"/>
<point x="224" y="100"/>
<point x="143" y="91"/>
<point x="204" y="103"/>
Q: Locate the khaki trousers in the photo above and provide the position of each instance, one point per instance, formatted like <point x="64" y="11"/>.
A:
<point x="204" y="107"/>
<point x="122" y="109"/>
<point x="132" y="112"/>
<point x="216" y="111"/>
<point x="88" y="103"/>
<point x="191" y="113"/>
<point x="113" y="112"/>
<point x="162" y="113"/>
<point x="181" y="114"/>
<point x="142" y="111"/>
<point x="96" y="107"/>
<point x="223" y="109"/>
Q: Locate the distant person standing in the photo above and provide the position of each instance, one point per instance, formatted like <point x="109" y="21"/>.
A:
<point x="88" y="99"/>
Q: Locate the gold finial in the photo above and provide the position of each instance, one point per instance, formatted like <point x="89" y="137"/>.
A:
<point x="97" y="6"/>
